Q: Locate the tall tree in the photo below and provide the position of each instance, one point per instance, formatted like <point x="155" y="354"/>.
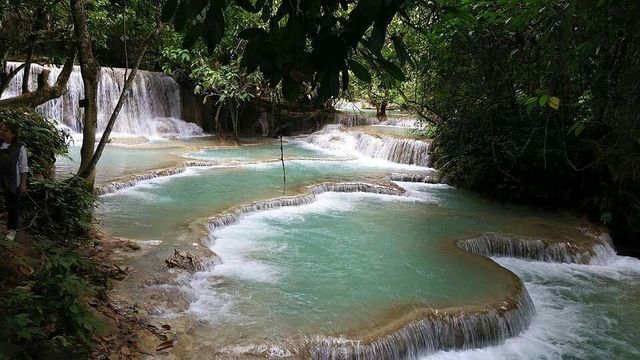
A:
<point x="90" y="70"/>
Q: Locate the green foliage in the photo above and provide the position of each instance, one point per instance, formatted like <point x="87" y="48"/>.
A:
<point x="41" y="138"/>
<point x="538" y="101"/>
<point x="61" y="209"/>
<point x="300" y="43"/>
<point x="227" y="84"/>
<point x="44" y="314"/>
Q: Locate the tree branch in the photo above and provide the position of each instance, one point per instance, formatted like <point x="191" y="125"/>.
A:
<point x="44" y="92"/>
<point x="6" y="80"/>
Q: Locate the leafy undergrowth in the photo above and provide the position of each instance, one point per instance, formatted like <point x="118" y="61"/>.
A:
<point x="55" y="276"/>
<point x="55" y="302"/>
<point x="43" y="290"/>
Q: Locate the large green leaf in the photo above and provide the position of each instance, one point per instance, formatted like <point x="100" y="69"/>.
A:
<point x="214" y="25"/>
<point x="401" y="50"/>
<point x="392" y="69"/>
<point x="360" y="71"/>
<point x="181" y="16"/>
<point x="196" y="7"/>
<point x="192" y="35"/>
<point x="361" y="18"/>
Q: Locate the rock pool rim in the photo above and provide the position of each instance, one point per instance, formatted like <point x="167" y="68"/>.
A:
<point x="421" y="329"/>
<point x="417" y="329"/>
<point x="134" y="179"/>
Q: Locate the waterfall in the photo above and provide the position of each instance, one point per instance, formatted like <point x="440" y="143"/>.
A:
<point x="152" y="108"/>
<point x="401" y="122"/>
<point x="595" y="252"/>
<point x="354" y="119"/>
<point x="399" y="150"/>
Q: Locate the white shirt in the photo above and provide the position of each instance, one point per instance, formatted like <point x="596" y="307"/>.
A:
<point x="21" y="167"/>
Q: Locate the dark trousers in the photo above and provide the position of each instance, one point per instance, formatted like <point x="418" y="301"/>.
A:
<point x="12" y="202"/>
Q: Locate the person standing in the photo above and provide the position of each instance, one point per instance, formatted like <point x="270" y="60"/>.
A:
<point x="13" y="174"/>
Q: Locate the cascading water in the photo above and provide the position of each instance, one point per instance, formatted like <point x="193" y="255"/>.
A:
<point x="600" y="253"/>
<point x="152" y="108"/>
<point x="399" y="150"/>
<point x="327" y="273"/>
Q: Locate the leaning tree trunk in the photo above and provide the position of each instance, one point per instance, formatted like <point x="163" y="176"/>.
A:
<point x="89" y="70"/>
<point x="95" y="157"/>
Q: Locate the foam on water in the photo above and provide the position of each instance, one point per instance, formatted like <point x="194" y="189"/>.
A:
<point x="137" y="185"/>
<point x="237" y="243"/>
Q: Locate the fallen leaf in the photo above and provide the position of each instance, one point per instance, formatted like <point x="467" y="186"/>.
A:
<point x="164" y="345"/>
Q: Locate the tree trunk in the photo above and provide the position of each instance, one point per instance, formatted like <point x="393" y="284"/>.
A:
<point x="89" y="69"/>
<point x="382" y="110"/>
<point x="27" y="70"/>
<point x="91" y="164"/>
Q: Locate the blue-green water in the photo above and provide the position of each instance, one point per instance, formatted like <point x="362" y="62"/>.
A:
<point x="258" y="152"/>
<point x="346" y="261"/>
<point x="119" y="161"/>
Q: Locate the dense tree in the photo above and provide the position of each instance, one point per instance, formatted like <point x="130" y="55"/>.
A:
<point x="302" y="42"/>
<point x="537" y="101"/>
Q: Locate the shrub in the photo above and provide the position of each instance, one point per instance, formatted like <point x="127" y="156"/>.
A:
<point x="61" y="209"/>
<point x="44" y="142"/>
<point x="45" y="314"/>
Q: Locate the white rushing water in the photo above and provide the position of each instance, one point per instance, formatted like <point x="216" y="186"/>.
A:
<point x="582" y="312"/>
<point x="335" y="139"/>
<point x="152" y="109"/>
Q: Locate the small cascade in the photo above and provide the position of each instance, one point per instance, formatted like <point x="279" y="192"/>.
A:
<point x="132" y="181"/>
<point x="596" y="252"/>
<point x="203" y="163"/>
<point x="355" y="187"/>
<point x="435" y="331"/>
<point x="417" y="178"/>
<point x="152" y="108"/>
<point x="399" y="150"/>
<point x="401" y="122"/>
<point x="297" y="200"/>
<point x="350" y="120"/>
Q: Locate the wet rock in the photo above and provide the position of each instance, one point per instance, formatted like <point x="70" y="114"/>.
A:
<point x="186" y="261"/>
